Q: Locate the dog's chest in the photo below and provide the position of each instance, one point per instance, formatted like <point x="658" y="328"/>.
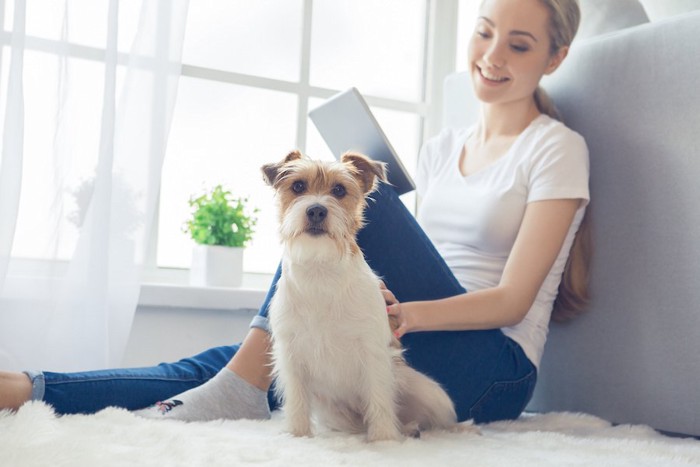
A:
<point x="329" y="323"/>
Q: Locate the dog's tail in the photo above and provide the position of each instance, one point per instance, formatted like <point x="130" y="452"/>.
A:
<point x="422" y="401"/>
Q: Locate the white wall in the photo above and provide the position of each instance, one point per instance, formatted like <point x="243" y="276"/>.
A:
<point x="161" y="334"/>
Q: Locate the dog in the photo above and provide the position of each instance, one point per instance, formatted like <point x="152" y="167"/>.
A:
<point x="333" y="352"/>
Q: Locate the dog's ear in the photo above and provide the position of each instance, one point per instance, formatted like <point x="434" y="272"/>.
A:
<point x="271" y="172"/>
<point x="367" y="169"/>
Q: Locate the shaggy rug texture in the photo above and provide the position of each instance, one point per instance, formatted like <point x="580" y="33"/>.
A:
<point x="35" y="436"/>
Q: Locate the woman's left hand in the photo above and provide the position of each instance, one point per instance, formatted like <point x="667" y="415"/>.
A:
<point x="397" y="319"/>
<point x="389" y="297"/>
<point x="393" y="310"/>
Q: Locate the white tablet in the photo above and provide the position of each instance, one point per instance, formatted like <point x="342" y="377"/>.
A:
<point x="346" y="124"/>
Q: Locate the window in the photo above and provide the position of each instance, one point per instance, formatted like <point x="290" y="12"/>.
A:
<point x="251" y="71"/>
<point x="468" y="10"/>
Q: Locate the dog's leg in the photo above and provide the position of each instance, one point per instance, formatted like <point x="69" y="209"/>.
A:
<point x="380" y="414"/>
<point x="297" y="402"/>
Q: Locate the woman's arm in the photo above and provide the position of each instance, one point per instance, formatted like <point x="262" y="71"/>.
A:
<point x="540" y="238"/>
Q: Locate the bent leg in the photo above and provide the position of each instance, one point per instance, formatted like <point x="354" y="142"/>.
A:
<point x="486" y="374"/>
<point x="398" y="249"/>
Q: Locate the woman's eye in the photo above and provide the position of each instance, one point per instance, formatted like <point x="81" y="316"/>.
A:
<point x="520" y="48"/>
<point x="298" y="187"/>
<point x="338" y="191"/>
<point x="482" y="34"/>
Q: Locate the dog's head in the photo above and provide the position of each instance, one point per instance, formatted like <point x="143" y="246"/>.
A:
<point x="322" y="201"/>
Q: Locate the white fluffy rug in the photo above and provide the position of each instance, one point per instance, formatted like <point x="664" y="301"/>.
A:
<point x="34" y="436"/>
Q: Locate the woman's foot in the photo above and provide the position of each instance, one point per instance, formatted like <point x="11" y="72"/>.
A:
<point x="15" y="390"/>
<point x="225" y="396"/>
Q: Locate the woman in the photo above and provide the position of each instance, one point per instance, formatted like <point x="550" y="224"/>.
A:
<point x="501" y="201"/>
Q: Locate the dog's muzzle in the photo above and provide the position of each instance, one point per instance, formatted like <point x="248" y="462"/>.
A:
<point x="315" y="215"/>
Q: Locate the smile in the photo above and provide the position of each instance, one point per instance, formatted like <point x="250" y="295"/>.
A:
<point x="490" y="77"/>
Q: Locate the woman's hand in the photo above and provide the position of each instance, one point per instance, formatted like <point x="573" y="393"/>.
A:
<point x="397" y="318"/>
<point x="389" y="297"/>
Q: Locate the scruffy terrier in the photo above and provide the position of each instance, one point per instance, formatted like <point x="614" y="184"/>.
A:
<point x="334" y="353"/>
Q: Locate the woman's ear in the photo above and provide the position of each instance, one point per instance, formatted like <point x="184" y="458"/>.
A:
<point x="556" y="59"/>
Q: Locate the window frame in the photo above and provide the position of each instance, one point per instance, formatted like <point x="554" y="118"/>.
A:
<point x="440" y="46"/>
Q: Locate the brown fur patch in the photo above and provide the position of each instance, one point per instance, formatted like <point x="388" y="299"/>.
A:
<point x="321" y="179"/>
<point x="366" y="170"/>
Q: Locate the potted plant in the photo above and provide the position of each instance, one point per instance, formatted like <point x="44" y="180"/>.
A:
<point x="221" y="226"/>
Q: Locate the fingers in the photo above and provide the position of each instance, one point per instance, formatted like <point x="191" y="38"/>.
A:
<point x="389" y="297"/>
<point x="397" y="320"/>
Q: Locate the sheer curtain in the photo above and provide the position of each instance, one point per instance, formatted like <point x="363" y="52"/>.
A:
<point x="84" y="131"/>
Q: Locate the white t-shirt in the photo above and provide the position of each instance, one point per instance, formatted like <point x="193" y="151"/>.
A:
<point x="474" y="220"/>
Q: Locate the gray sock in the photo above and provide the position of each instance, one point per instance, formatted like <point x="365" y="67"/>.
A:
<point x="226" y="396"/>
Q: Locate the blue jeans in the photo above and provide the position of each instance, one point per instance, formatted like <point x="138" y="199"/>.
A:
<point x="486" y="374"/>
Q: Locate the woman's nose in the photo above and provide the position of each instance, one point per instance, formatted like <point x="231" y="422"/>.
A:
<point x="494" y="55"/>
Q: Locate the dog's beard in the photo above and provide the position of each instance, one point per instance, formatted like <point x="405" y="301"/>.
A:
<point x="327" y="241"/>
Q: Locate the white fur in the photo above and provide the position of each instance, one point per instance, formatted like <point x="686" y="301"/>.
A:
<point x="332" y="348"/>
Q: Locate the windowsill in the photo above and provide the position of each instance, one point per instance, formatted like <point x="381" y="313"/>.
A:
<point x="173" y="291"/>
<point x="162" y="287"/>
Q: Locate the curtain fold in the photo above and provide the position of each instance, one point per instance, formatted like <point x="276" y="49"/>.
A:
<point x="79" y="184"/>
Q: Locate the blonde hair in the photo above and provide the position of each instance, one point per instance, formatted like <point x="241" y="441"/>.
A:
<point x="564" y="19"/>
<point x="573" y="297"/>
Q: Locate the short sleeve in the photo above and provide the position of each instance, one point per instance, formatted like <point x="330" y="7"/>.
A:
<point x="560" y="169"/>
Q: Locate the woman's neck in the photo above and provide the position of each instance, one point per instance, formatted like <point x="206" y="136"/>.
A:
<point x="504" y="121"/>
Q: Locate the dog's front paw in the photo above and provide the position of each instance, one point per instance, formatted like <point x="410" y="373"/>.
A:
<point x="300" y="428"/>
<point x="383" y="433"/>
<point x="411" y="430"/>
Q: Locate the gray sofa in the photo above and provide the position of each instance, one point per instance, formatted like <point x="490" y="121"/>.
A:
<point x="634" y="357"/>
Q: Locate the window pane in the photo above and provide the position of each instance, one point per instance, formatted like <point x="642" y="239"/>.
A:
<point x="223" y="133"/>
<point x="87" y="19"/>
<point x="468" y="11"/>
<point x="261" y="37"/>
<point x="48" y="198"/>
<point x="375" y="46"/>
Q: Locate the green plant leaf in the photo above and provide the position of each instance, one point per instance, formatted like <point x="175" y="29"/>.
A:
<point x="218" y="218"/>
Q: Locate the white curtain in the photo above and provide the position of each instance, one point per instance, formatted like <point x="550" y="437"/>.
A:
<point x="84" y="132"/>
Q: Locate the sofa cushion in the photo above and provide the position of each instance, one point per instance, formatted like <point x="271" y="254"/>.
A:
<point x="633" y="358"/>
<point x="604" y="16"/>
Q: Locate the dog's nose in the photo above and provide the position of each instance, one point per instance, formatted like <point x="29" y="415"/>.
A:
<point x="316" y="213"/>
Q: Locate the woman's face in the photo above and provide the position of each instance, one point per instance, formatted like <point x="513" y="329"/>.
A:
<point x="510" y="50"/>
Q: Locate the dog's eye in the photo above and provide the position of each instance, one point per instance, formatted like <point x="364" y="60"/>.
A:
<point x="338" y="191"/>
<point x="298" y="187"/>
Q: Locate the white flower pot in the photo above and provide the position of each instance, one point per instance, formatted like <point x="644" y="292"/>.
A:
<point x="216" y="266"/>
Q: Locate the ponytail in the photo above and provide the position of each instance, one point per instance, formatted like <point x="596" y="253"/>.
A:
<point x="545" y="104"/>
<point x="573" y="296"/>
